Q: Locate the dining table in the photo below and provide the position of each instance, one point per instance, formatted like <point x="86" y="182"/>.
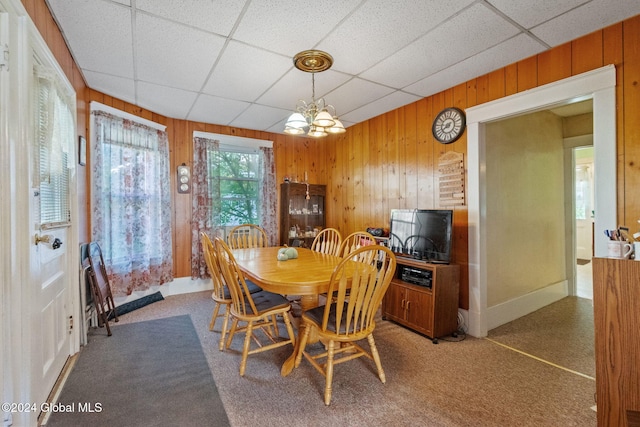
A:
<point x="308" y="276"/>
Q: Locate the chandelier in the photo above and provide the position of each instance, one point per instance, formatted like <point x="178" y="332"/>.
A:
<point x="313" y="118"/>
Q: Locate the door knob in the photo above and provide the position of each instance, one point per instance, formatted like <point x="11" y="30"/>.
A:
<point x="43" y="239"/>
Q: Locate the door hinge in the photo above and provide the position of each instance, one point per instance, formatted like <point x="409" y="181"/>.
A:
<point x="70" y="324"/>
<point x="4" y="57"/>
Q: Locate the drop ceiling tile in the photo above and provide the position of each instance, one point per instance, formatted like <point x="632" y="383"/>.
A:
<point x="260" y="117"/>
<point x="217" y="16"/>
<point x="164" y="100"/>
<point x="296" y="85"/>
<point x="438" y="49"/>
<point x="508" y="52"/>
<point x="115" y="86"/>
<point x="245" y="72"/>
<point x="98" y="33"/>
<point x="212" y="109"/>
<point x="530" y="13"/>
<point x="354" y="94"/>
<point x="390" y="102"/>
<point x="290" y="27"/>
<point x="585" y="19"/>
<point x="178" y="43"/>
<point x="382" y="27"/>
<point x="174" y="55"/>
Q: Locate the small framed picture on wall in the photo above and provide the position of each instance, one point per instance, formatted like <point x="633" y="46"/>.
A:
<point x="82" y="151"/>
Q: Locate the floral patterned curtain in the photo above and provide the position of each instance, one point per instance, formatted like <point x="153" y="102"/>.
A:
<point x="131" y="202"/>
<point x="269" y="202"/>
<point x="205" y="192"/>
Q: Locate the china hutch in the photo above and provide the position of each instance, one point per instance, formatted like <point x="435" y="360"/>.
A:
<point x="302" y="213"/>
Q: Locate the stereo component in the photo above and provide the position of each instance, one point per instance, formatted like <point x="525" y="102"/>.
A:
<point x="417" y="276"/>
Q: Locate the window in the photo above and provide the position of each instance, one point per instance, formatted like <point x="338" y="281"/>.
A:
<point x="131" y="201"/>
<point x="55" y="136"/>
<point x="233" y="182"/>
<point x="239" y="175"/>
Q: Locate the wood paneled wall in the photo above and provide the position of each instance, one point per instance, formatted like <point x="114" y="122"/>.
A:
<point x="390" y="161"/>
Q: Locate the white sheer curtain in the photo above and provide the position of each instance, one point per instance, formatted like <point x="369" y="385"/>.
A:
<point x="131" y="202"/>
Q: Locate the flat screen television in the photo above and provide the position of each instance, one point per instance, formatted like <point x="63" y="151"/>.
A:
<point x="422" y="234"/>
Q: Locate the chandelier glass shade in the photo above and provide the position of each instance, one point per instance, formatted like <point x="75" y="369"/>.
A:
<point x="313" y="118"/>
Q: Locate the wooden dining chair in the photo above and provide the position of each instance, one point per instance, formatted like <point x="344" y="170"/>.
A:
<point x="220" y="295"/>
<point x="257" y="310"/>
<point x="247" y="236"/>
<point x="355" y="241"/>
<point x="327" y="241"/>
<point x="346" y="320"/>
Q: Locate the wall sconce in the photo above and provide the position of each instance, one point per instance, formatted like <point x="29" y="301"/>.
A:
<point x="184" y="178"/>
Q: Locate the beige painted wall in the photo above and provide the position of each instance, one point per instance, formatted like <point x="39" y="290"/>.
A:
<point x="525" y="205"/>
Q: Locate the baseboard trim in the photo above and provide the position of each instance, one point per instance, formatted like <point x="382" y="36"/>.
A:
<point x="180" y="285"/>
<point x="510" y="310"/>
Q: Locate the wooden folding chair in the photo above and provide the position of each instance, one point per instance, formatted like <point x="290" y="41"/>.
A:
<point x="100" y="287"/>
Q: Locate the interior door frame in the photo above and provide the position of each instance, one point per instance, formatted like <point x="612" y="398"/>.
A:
<point x="598" y="85"/>
<point x="17" y="229"/>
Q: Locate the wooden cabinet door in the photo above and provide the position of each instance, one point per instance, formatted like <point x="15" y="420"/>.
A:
<point x="394" y="302"/>
<point x="419" y="310"/>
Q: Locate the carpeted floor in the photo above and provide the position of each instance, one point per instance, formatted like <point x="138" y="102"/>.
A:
<point x="149" y="373"/>
<point x="560" y="333"/>
<point x="474" y="382"/>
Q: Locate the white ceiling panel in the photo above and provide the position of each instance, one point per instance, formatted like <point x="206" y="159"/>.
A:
<point x="216" y="16"/>
<point x="512" y="50"/>
<point x="297" y="85"/>
<point x="118" y="87"/>
<point x="382" y="27"/>
<point x="531" y="13"/>
<point x="289" y="27"/>
<point x="355" y="93"/>
<point x="230" y="61"/>
<point x="174" y="55"/>
<point x="484" y="29"/>
<point x="585" y="19"/>
<point x="175" y="102"/>
<point x="264" y="116"/>
<point x="390" y="102"/>
<point x="99" y="33"/>
<point x="212" y="109"/>
<point x="246" y="72"/>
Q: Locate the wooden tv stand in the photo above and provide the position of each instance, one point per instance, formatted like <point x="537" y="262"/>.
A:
<point x="431" y="311"/>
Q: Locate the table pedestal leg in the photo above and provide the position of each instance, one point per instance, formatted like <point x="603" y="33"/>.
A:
<point x="306" y="302"/>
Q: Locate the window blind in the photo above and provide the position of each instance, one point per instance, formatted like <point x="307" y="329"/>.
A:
<point x="55" y="136"/>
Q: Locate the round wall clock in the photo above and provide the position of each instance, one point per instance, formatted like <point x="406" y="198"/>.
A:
<point x="448" y="125"/>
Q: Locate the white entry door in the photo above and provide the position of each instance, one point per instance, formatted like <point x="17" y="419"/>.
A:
<point x="52" y="308"/>
<point x="584" y="208"/>
<point x="52" y="207"/>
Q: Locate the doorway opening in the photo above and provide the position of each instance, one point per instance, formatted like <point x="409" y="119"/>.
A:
<point x="597" y="85"/>
<point x="584" y="219"/>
